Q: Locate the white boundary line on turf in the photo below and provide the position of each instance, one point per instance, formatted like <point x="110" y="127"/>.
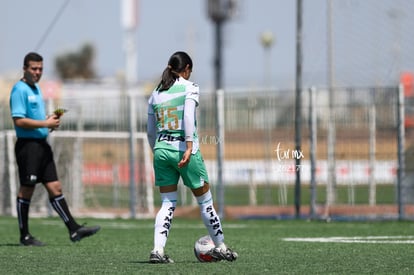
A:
<point x="365" y="239"/>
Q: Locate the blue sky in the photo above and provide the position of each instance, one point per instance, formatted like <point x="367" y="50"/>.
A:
<point x="373" y="39"/>
<point x="163" y="27"/>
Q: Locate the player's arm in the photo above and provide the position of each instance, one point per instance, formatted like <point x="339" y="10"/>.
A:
<point x="18" y="107"/>
<point x="151" y="127"/>
<point x="28" y="123"/>
<point x="189" y="119"/>
<point x="189" y="128"/>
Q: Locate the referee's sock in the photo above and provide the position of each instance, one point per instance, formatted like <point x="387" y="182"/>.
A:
<point x="61" y="207"/>
<point x="23" y="206"/>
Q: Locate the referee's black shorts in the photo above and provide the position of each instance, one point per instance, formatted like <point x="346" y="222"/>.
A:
<point x="35" y="161"/>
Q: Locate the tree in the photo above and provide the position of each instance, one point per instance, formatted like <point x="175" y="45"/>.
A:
<point x="76" y="65"/>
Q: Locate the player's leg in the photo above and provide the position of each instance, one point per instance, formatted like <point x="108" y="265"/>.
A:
<point x="166" y="178"/>
<point x="213" y="224"/>
<point x="27" y="162"/>
<point x="208" y="213"/>
<point x="163" y="222"/>
<point x="58" y="201"/>
<point x="59" y="204"/>
<point x="195" y="177"/>
<point x="22" y="206"/>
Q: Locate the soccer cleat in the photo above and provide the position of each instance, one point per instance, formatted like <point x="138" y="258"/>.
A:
<point x="156" y="258"/>
<point x="223" y="254"/>
<point x="83" y="232"/>
<point x="29" y="240"/>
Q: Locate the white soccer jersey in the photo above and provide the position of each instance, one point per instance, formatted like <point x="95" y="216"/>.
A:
<point x="168" y="108"/>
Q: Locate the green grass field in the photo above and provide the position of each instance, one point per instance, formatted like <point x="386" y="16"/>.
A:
<point x="239" y="195"/>
<point x="123" y="246"/>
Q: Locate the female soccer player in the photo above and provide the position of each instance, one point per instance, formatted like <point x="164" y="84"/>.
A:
<point x="173" y="138"/>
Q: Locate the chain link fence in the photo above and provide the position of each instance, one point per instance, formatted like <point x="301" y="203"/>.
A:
<point x="93" y="154"/>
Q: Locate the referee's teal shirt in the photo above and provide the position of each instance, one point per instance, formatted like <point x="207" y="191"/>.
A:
<point x="27" y="102"/>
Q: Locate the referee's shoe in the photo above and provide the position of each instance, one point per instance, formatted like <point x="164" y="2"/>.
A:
<point x="83" y="232"/>
<point x="29" y="240"/>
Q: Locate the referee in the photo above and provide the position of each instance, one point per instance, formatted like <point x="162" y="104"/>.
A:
<point x="34" y="155"/>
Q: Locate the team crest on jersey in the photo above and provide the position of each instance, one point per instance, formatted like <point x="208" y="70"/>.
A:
<point x="31" y="98"/>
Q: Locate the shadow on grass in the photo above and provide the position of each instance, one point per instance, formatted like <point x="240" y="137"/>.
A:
<point x="140" y="262"/>
<point x="9" y="244"/>
<point x="162" y="264"/>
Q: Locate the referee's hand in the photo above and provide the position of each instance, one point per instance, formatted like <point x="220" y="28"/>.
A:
<point x="52" y="122"/>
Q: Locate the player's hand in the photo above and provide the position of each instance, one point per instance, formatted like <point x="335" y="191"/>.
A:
<point x="185" y="159"/>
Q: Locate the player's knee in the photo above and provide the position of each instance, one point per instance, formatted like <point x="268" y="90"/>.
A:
<point x="26" y="191"/>
<point x="202" y="190"/>
<point x="54" y="188"/>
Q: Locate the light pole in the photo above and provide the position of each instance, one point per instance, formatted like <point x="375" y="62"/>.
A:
<point x="129" y="24"/>
<point x="267" y="40"/>
<point x="298" y="104"/>
<point x="331" y="139"/>
<point x="219" y="11"/>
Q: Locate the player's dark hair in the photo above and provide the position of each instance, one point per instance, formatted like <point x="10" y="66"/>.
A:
<point x="32" y="56"/>
<point x="177" y="64"/>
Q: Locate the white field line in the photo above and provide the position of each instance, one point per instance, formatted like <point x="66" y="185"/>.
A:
<point x="361" y="239"/>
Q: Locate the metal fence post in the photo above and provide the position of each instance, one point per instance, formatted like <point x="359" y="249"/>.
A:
<point x="12" y="172"/>
<point x="132" y="155"/>
<point x="313" y="142"/>
<point x="372" y="146"/>
<point x="220" y="150"/>
<point x="401" y="148"/>
<point x="77" y="187"/>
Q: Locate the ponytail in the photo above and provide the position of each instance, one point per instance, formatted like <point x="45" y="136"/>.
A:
<point x="167" y="80"/>
<point x="177" y="64"/>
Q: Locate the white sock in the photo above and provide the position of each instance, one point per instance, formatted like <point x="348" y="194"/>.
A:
<point x="163" y="220"/>
<point x="210" y="218"/>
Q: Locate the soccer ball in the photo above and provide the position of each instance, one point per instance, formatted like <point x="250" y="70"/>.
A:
<point x="201" y="247"/>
